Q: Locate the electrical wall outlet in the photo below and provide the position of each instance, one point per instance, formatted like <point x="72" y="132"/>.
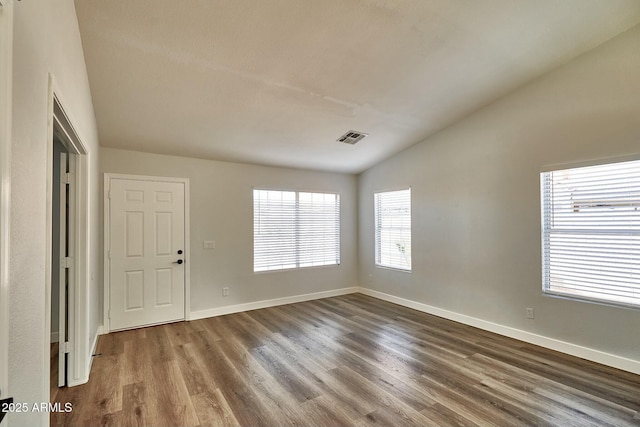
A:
<point x="225" y="291"/>
<point x="209" y="244"/>
<point x="530" y="314"/>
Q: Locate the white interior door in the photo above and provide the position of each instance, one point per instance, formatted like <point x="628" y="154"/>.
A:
<point x="146" y="252"/>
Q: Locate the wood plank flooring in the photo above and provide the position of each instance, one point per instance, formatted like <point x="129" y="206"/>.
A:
<point x="345" y="361"/>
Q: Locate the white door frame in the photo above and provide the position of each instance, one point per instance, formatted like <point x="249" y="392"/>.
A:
<point x="6" y="49"/>
<point x="187" y="240"/>
<point x="79" y="357"/>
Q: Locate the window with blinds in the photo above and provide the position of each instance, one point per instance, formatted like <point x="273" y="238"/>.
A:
<point x="294" y="229"/>
<point x="591" y="233"/>
<point x="393" y="229"/>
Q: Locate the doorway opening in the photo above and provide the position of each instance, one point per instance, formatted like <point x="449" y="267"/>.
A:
<point x="67" y="275"/>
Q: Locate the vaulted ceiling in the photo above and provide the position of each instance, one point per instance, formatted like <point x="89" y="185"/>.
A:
<point x="276" y="82"/>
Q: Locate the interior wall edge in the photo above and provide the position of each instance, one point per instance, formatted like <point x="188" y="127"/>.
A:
<point x="92" y="355"/>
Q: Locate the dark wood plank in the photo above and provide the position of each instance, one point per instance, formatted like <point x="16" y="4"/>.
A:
<point x="213" y="409"/>
<point x="135" y="411"/>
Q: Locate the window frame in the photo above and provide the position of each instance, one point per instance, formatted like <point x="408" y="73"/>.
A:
<point x="377" y="231"/>
<point x="299" y="256"/>
<point x="545" y="225"/>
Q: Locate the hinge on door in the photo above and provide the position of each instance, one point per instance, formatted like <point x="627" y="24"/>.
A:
<point x="66" y="347"/>
<point x="109" y="314"/>
<point x="66" y="262"/>
<point x="66" y="178"/>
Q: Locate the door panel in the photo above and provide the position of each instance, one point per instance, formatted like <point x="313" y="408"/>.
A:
<point x="164" y="232"/>
<point x="134" y="285"/>
<point x="146" y="232"/>
<point x="163" y="287"/>
<point x="134" y="234"/>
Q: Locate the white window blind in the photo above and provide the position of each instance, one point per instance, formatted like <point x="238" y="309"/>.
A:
<point x="591" y="233"/>
<point x="393" y="229"/>
<point x="295" y="229"/>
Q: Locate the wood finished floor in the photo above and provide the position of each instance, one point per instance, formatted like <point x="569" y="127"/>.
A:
<point x="345" y="361"/>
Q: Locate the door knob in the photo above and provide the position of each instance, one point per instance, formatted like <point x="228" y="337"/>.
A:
<point x="178" y="261"/>
<point x="180" y="252"/>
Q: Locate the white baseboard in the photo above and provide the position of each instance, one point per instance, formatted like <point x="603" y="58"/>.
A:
<point x="598" y="356"/>
<point x="230" y="309"/>
<point x="94" y="345"/>
<point x="55" y="337"/>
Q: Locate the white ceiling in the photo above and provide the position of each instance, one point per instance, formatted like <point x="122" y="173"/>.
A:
<point x="277" y="82"/>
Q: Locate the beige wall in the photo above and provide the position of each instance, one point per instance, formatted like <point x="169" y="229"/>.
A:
<point x="222" y="210"/>
<point x="46" y="40"/>
<point x="476" y="201"/>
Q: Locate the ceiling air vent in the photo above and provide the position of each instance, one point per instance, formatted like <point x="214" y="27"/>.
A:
<point x="352" y="137"/>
